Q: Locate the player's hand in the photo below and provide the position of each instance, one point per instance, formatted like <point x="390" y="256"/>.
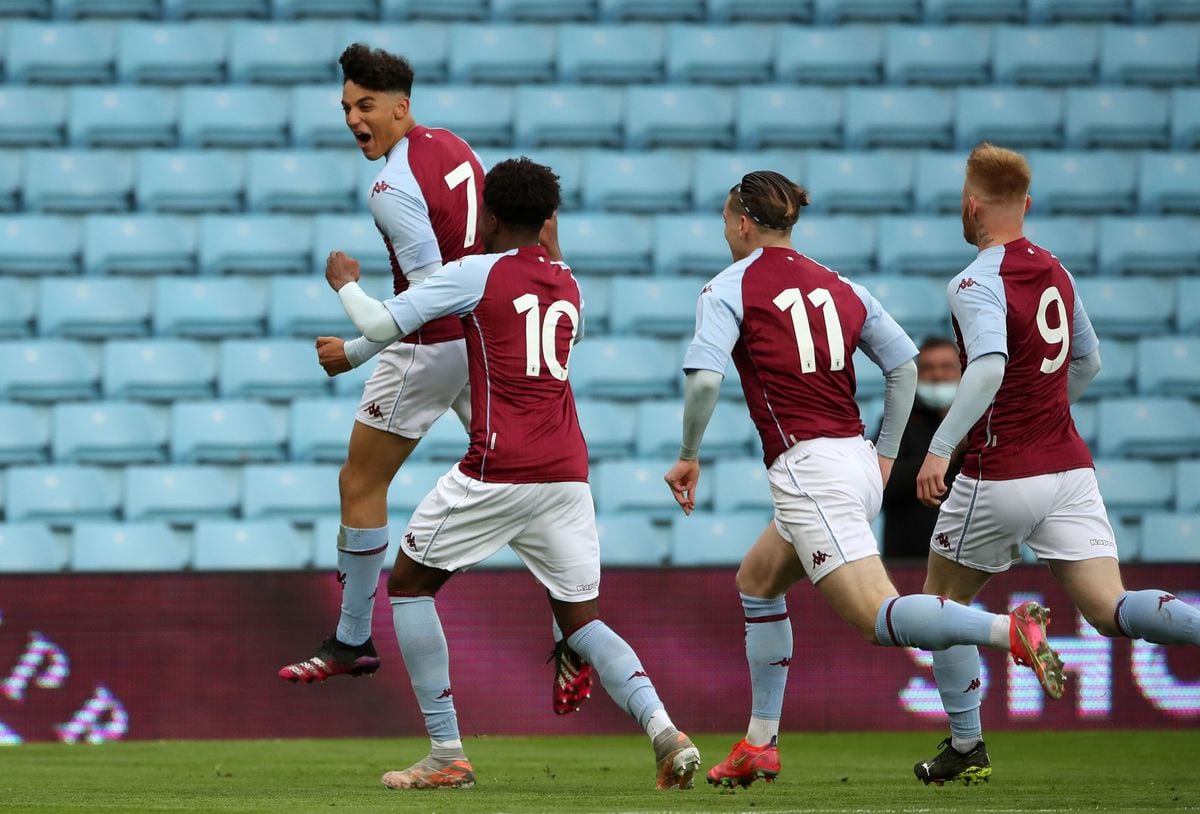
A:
<point x="885" y="468"/>
<point x="331" y="353"/>
<point x="931" y="480"/>
<point x="682" y="479"/>
<point x="340" y="268"/>
<point x="548" y="237"/>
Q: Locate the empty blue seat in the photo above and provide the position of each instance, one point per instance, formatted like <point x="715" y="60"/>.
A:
<point x="607" y="426"/>
<point x="543" y="10"/>
<point x="597" y="304"/>
<point x="445" y="441"/>
<point x="138" y="244"/>
<point x="225" y="431"/>
<point x="623" y="367"/>
<point x="683" y="244"/>
<point x="357" y="236"/>
<point x="865" y="182"/>
<point x="300" y="181"/>
<point x="629" y="541"/>
<point x="655" y="306"/>
<point x="1169" y="183"/>
<point x="454" y="10"/>
<point x="730" y="432"/>
<point x="1149" y="427"/>
<point x="636" y="181"/>
<point x="171" y="53"/>
<point x="319" y="429"/>
<point x="303" y="307"/>
<point x="293" y="53"/>
<point x="833" y="12"/>
<point x="1094" y="182"/>
<point x="32" y="116"/>
<point x="1129" y="306"/>
<point x="634" y="486"/>
<point x="739" y="484"/>
<point x="158" y="370"/>
<point x="414" y="480"/>
<point x="714" y="172"/>
<point x="678" y="116"/>
<point x="1116" y="117"/>
<point x="611" y="53"/>
<point x="317" y="118"/>
<point x="604" y="243"/>
<point x="255" y="244"/>
<point x="116" y="116"/>
<point x="1161" y="55"/>
<point x="1189" y="305"/>
<point x="78" y="181"/>
<point x="719" y="53"/>
<point x="569" y="115"/>
<point x="917" y="303"/>
<point x="1168" y="366"/>
<point x="1185" y="118"/>
<point x="11" y="167"/>
<point x="209" y="308"/>
<point x="113" y="432"/>
<point x="298" y="492"/>
<point x="1117" y="370"/>
<point x="277" y="369"/>
<point x="248" y="545"/>
<point x="971" y="11"/>
<point x="1187" y="486"/>
<point x="143" y="546"/>
<point x="1086" y="418"/>
<point x="1057" y="11"/>
<point x="1014" y="117"/>
<point x="64" y="53"/>
<point x="16" y="308"/>
<point x="829" y="55"/>
<point x="26" y="8"/>
<point x="938" y="182"/>
<point x="1154" y="11"/>
<point x="188" y="181"/>
<point x="24" y="434"/>
<point x="1044" y="55"/>
<point x="1072" y="240"/>
<point x="188" y="9"/>
<point x="1171" y="537"/>
<point x="1168" y="245"/>
<point x="923" y="246"/>
<point x="708" y="539"/>
<point x="1133" y="487"/>
<point x="480" y="115"/>
<point x="494" y="52"/>
<point x="681" y="10"/>
<point x="93" y="308"/>
<point x="47" y="370"/>
<point x="788" y="116"/>
<point x="845" y="243"/>
<point x="60" y="494"/>
<point x="29" y="548"/>
<point x="942" y="55"/>
<point x="230" y="116"/>
<point x="766" y="11"/>
<point x="899" y="117"/>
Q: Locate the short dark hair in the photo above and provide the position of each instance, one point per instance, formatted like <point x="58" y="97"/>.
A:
<point x="931" y="342"/>
<point x="771" y="200"/>
<point x="521" y="192"/>
<point x="376" y="69"/>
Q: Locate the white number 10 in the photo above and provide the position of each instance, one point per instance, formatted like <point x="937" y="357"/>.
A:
<point x="792" y="299"/>
<point x="456" y="176"/>
<point x="542" y="341"/>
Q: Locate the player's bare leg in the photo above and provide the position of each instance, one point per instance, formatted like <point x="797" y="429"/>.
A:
<point x="1158" y="616"/>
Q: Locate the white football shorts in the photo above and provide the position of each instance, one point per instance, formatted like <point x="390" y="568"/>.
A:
<point x="827" y="491"/>
<point x="1061" y="516"/>
<point x="413" y="385"/>
<point x="551" y="527"/>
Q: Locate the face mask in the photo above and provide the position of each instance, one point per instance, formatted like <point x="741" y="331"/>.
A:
<point x="938" y="395"/>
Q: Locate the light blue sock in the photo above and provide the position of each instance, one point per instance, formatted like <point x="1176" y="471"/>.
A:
<point x="427" y="659"/>
<point x="768" y="652"/>
<point x="620" y="671"/>
<point x="360" y="557"/>
<point x="1158" y="617"/>
<point x="957" y="673"/>
<point x="936" y="623"/>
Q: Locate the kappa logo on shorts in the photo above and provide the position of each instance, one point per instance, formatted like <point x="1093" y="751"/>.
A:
<point x="583" y="589"/>
<point x="943" y="539"/>
<point x="967" y="283"/>
<point x="374" y="412"/>
<point x="410" y="540"/>
<point x="1102" y="543"/>
<point x="974" y="685"/>
<point x="819" y="558"/>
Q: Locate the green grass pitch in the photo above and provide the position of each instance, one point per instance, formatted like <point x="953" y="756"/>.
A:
<point x="1051" y="772"/>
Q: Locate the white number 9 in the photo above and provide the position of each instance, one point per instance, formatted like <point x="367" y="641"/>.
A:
<point x="1060" y="335"/>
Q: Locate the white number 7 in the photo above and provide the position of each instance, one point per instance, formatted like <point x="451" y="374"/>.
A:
<point x="456" y="176"/>
<point x="792" y="299"/>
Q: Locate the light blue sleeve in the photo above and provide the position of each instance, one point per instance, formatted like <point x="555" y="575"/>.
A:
<point x="1083" y="336"/>
<point x="403" y="217"/>
<point x="882" y="338"/>
<point x="979" y="306"/>
<point x="455" y="288"/>
<point x="718" y="323"/>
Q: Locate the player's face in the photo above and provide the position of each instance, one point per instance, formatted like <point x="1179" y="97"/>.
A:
<point x="938" y="364"/>
<point x="734" y="232"/>
<point x="375" y="118"/>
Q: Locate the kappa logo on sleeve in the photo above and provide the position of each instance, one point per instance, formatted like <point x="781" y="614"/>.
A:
<point x="967" y="282"/>
<point x="380" y="186"/>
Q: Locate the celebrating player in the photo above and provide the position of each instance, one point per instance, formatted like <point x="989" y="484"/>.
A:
<point x="792" y="326"/>
<point x="1028" y="350"/>
<point x="523" y="481"/>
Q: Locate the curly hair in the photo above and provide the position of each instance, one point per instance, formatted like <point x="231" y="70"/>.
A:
<point x="376" y="69"/>
<point x="521" y="192"/>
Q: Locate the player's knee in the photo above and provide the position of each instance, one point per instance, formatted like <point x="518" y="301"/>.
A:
<point x="353" y="483"/>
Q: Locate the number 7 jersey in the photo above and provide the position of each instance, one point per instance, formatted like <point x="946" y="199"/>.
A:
<point x="1018" y="300"/>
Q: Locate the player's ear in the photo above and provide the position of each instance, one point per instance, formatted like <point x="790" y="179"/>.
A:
<point x="401" y="107"/>
<point x="1028" y="202"/>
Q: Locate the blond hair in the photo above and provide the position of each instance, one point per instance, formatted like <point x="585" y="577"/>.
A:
<point x="997" y="174"/>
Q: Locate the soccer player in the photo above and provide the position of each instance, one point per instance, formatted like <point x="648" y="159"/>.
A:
<point x="792" y="326"/>
<point x="523" y="481"/>
<point x="1028" y="351"/>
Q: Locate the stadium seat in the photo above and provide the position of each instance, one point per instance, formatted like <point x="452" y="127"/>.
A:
<point x="300" y="181"/>
<point x="1116" y="117"/>
<point x="611" y="53"/>
<point x="569" y="115"/>
<point x="719" y="53"/>
<point x="497" y="52"/>
<point x="1185" y="118"/>
<point x="1168" y="183"/>
<point x="317" y="119"/>
<point x="1168" y="245"/>
<point x="1045" y="55"/>
<point x="40" y="9"/>
<point x="248" y="545"/>
<point x="139" y="244"/>
<point x="1058" y="11"/>
<point x="276" y="369"/>
<point x="16" y="308"/>
<point x="115" y="116"/>
<point x="319" y="429"/>
<point x="844" y="243"/>
<point x="867" y="182"/>
<point x="446" y="440"/>
<point x="1018" y="118"/>
<point x="108" y="432"/>
<point x="49" y="370"/>
<point x="32" y="116"/>
<point x="123" y="547"/>
<point x="597" y="305"/>
<point x="543" y="10"/>
<point x="171" y="53"/>
<point x="837" y="12"/>
<point x="93" y="308"/>
<point x="788" y="116"/>
<point x="972" y="11"/>
<point x="708" y="539"/>
<point x="209" y="308"/>
<point x="683" y="244"/>
<point x="898" y="117"/>
<point x="1155" y="11"/>
<point x="1086" y="418"/>
<point x="1187" y="485"/>
<point x="636" y="181"/>
<point x="60" y="53"/>
<point x="1168" y="366"/>
<point x="481" y="115"/>
<point x="298" y="492"/>
<point x="923" y="246"/>
<point x="715" y="171"/>
<point x="936" y="55"/>
<point x="450" y="10"/>
<point x="625" y="541"/>
<point x="60" y="495"/>
<point x="917" y="303"/>
<point x="78" y="181"/>
<point x="1072" y="240"/>
<point x="303" y="307"/>
<point x="225" y="431"/>
<point x="568" y="165"/>
<point x="938" y="182"/>
<point x="24" y="434"/>
<point x="1117" y="369"/>
<point x="411" y="484"/>
<point x="623" y="367"/>
<point x="1149" y="427"/>
<point x="730" y="432"/>
<point x="634" y="486"/>
<point x="1087" y="183"/>
<point x="231" y="116"/>
<point x="158" y="370"/>
<point x="1171" y="537"/>
<point x="188" y="181"/>
<point x="678" y="116"/>
<point x="673" y="10"/>
<point x="1189" y="305"/>
<point x="284" y="54"/>
<point x="1162" y="55"/>
<point x="845" y="54"/>
<point x="29" y="548"/>
<point x="1129" y="306"/>
<point x="255" y="244"/>
<point x="739" y="484"/>
<point x="357" y="236"/>
<point x="607" y="426"/>
<point x="1133" y="487"/>
<point x="605" y="243"/>
<point x="11" y="168"/>
<point x="189" y="9"/>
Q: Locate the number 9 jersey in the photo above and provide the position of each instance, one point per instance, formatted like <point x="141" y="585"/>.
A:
<point x="1016" y="299"/>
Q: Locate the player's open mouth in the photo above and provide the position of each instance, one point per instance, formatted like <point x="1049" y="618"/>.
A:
<point x="363" y="138"/>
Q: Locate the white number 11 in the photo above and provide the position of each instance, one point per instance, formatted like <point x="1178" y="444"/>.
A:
<point x="792" y="299"/>
<point x="456" y="176"/>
